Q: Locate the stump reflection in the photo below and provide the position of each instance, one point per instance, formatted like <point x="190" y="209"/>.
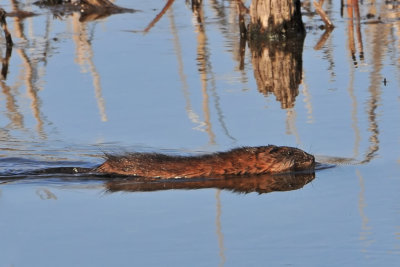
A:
<point x="278" y="68"/>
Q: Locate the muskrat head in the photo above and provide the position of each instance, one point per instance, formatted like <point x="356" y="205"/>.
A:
<point x="296" y="158"/>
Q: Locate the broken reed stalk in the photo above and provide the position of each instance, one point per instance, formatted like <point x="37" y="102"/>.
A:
<point x="322" y="14"/>
<point x="159" y="16"/>
<point x="3" y="24"/>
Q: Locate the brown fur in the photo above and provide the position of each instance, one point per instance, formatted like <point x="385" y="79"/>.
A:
<point x="239" y="161"/>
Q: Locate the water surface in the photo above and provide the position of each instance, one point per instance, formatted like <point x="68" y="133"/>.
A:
<point x="76" y="89"/>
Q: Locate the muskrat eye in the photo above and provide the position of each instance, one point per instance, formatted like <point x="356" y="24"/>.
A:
<point x="289" y="153"/>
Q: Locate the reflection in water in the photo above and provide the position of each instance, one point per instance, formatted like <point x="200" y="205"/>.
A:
<point x="354" y="11"/>
<point x="324" y="37"/>
<point x="4" y="27"/>
<point x="16" y="118"/>
<point x="29" y="73"/>
<point x="202" y="59"/>
<point x="5" y="63"/>
<point x="45" y="194"/>
<point x="278" y="69"/>
<point x="32" y="89"/>
<point x="84" y="55"/>
<point x="365" y="229"/>
<point x="193" y="116"/>
<point x="260" y="184"/>
<point x="204" y="69"/>
<point x="9" y="44"/>
<point x="219" y="228"/>
<point x="307" y="100"/>
<point x="350" y="39"/>
<point x="291" y="124"/>
<point x="378" y="32"/>
<point x="354" y="119"/>
<point x="220" y="11"/>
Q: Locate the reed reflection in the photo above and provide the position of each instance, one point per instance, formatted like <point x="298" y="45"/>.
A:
<point x="353" y="12"/>
<point x="203" y="60"/>
<point x="377" y="36"/>
<point x="366" y="230"/>
<point x="204" y="67"/>
<point x="5" y="62"/>
<point x="191" y="113"/>
<point x="218" y="226"/>
<point x="45" y="194"/>
<point x="84" y="57"/>
<point x="13" y="113"/>
<point x="29" y="73"/>
<point x="261" y="184"/>
<point x="9" y="44"/>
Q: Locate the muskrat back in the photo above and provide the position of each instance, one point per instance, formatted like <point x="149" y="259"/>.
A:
<point x="239" y="161"/>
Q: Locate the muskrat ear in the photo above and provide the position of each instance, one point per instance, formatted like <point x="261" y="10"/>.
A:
<point x="274" y="149"/>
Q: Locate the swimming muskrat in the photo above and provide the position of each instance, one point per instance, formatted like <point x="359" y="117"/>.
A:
<point x="244" y="161"/>
<point x="239" y="161"/>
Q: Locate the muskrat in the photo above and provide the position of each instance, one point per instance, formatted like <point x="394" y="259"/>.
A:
<point x="243" y="161"/>
<point x="240" y="161"/>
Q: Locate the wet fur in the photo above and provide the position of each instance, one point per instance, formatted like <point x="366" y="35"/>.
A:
<point x="239" y="161"/>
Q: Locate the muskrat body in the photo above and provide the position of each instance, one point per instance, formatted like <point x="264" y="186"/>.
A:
<point x="239" y="161"/>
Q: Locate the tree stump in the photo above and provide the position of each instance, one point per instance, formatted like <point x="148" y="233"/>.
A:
<point x="272" y="19"/>
<point x="276" y="36"/>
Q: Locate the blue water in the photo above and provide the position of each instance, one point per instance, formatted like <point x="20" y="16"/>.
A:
<point x="75" y="90"/>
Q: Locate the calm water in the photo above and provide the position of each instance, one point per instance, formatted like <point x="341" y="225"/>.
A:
<point x="76" y="89"/>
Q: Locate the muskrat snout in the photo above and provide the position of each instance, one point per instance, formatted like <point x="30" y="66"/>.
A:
<point x="302" y="160"/>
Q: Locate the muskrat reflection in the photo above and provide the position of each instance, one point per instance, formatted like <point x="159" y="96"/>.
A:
<point x="261" y="183"/>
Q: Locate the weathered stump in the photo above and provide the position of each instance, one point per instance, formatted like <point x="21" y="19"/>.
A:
<point x="276" y="35"/>
<point x="272" y="19"/>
